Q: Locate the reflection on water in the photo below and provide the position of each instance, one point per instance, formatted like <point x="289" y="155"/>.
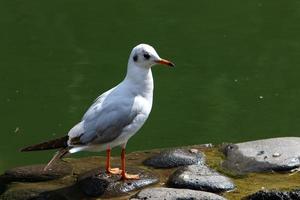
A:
<point x="236" y="76"/>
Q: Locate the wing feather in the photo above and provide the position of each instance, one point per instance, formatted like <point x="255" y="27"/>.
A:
<point x="103" y="122"/>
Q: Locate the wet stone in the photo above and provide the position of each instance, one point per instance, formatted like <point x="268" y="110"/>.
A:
<point x="275" y="154"/>
<point x="94" y="186"/>
<point x="200" y="177"/>
<point x="49" y="196"/>
<point x="32" y="194"/>
<point x="54" y="189"/>
<point x="174" y="158"/>
<point x="274" y="195"/>
<point x="35" y="173"/>
<point x="172" y="193"/>
<point x="21" y="194"/>
<point x="97" y="183"/>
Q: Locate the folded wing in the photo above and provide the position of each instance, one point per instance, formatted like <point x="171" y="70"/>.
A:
<point x="103" y="123"/>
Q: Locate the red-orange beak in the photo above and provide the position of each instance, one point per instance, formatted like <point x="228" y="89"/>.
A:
<point x="165" y="62"/>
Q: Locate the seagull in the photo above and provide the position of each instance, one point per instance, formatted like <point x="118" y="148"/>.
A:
<point x="115" y="116"/>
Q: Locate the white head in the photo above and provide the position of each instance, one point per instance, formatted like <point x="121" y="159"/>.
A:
<point x="145" y="56"/>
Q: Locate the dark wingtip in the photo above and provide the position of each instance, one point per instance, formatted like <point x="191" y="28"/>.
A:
<point x="29" y="148"/>
<point x="25" y="149"/>
<point x="52" y="144"/>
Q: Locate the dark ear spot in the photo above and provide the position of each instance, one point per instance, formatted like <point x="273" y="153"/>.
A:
<point x="135" y="58"/>
<point x="146" y="56"/>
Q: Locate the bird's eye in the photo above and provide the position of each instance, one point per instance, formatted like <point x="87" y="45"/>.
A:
<point x="147" y="56"/>
<point x="135" y="58"/>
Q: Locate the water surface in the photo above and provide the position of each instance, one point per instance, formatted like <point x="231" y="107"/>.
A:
<point x="236" y="76"/>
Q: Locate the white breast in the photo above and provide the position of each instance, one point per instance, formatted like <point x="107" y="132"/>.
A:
<point x="142" y="107"/>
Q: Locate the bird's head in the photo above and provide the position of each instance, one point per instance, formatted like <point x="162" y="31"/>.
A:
<point x="144" y="55"/>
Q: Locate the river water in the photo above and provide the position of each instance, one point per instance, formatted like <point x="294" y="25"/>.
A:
<point x="236" y="76"/>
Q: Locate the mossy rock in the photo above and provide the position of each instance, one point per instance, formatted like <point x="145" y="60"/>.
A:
<point x="67" y="187"/>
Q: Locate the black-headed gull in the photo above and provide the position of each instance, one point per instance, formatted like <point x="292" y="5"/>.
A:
<point x="115" y="116"/>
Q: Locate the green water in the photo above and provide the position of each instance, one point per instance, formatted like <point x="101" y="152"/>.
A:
<point x="236" y="76"/>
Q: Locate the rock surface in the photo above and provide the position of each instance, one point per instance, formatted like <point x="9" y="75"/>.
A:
<point x="69" y="188"/>
<point x="30" y="194"/>
<point x="34" y="173"/>
<point x="39" y="190"/>
<point x="96" y="183"/>
<point x="174" y="158"/>
<point x="26" y="194"/>
<point x="50" y="196"/>
<point x="275" y="195"/>
<point x="174" y="194"/>
<point x="276" y="154"/>
<point x="200" y="177"/>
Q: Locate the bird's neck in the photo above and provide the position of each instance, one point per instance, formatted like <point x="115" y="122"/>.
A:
<point x="140" y="79"/>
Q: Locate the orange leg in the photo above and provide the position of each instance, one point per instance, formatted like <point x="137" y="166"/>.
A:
<point x="126" y="176"/>
<point x="110" y="170"/>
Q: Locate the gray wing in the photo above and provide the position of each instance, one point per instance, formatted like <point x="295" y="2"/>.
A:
<point x="103" y="122"/>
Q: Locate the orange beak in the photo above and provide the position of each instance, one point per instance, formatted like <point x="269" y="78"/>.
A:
<point x="165" y="62"/>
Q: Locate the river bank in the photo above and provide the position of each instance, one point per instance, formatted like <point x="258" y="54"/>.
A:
<point x="249" y="170"/>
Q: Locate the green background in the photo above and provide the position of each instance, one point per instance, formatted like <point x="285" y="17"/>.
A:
<point x="236" y="76"/>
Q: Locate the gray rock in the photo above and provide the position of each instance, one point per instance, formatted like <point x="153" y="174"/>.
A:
<point x="174" y="194"/>
<point x="94" y="186"/>
<point x="175" y="158"/>
<point x="274" y="195"/>
<point x="33" y="193"/>
<point x="200" y="177"/>
<point x="50" y="196"/>
<point x="97" y="183"/>
<point x="34" y="173"/>
<point x="22" y="194"/>
<point x="276" y="154"/>
<point x="50" y="190"/>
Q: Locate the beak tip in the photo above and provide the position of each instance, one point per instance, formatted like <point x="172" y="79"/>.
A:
<point x="166" y="62"/>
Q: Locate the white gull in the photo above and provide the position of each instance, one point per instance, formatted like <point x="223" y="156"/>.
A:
<point x="115" y="116"/>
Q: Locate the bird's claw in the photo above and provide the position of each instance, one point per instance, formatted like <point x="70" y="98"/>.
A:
<point x="115" y="171"/>
<point x="130" y="177"/>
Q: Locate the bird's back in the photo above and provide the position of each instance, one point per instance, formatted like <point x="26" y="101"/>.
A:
<point x="108" y="116"/>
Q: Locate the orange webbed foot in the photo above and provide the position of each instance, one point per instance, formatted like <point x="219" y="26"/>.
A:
<point x="115" y="171"/>
<point x="130" y="177"/>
